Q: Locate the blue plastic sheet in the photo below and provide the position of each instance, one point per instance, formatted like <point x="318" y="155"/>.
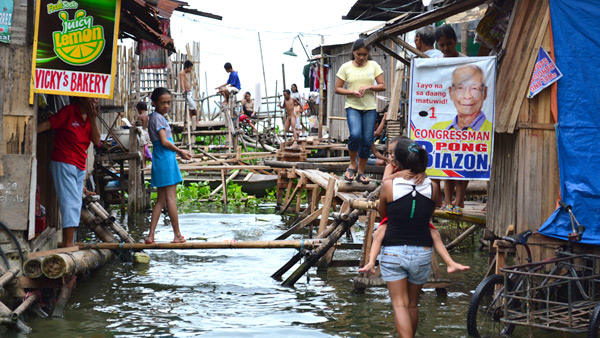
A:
<point x="577" y="50"/>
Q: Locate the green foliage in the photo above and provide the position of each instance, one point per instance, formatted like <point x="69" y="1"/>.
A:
<point x="192" y="192"/>
<point x="271" y="196"/>
<point x="191" y="195"/>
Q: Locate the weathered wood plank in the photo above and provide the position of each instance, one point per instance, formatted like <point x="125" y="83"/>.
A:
<point x="15" y="188"/>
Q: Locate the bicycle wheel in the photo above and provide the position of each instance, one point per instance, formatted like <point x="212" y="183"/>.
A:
<point x="594" y="324"/>
<point x="486" y="308"/>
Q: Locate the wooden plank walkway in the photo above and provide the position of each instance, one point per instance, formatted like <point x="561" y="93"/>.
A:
<point x="321" y="179"/>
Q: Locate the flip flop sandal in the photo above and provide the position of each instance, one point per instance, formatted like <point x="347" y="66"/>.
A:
<point x="457" y="210"/>
<point x="352" y="173"/>
<point x="361" y="178"/>
<point x="449" y="209"/>
<point x="179" y="240"/>
<point x="147" y="241"/>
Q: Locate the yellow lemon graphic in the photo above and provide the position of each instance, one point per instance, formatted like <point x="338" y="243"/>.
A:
<point x="80" y="42"/>
<point x="81" y="53"/>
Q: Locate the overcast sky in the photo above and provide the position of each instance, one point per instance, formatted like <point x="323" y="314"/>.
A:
<point x="235" y="38"/>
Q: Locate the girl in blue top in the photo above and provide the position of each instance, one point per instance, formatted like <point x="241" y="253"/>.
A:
<point x="165" y="170"/>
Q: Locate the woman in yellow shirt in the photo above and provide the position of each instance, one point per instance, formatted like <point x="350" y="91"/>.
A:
<point x="362" y="77"/>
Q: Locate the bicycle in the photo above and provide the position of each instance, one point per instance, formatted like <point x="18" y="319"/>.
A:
<point x="557" y="293"/>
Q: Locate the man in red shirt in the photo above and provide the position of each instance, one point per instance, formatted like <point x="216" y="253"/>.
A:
<point x="75" y="127"/>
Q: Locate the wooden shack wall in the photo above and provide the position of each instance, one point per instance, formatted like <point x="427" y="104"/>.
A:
<point x="338" y="129"/>
<point x="18" y="124"/>
<point x="524" y="185"/>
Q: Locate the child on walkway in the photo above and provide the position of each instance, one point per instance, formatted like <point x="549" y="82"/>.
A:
<point x="391" y="172"/>
<point x="290" y="116"/>
<point x="165" y="170"/>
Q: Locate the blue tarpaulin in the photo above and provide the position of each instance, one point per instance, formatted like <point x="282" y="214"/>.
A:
<point x="577" y="51"/>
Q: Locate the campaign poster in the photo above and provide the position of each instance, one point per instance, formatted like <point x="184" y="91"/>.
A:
<point x="75" y="47"/>
<point x="451" y="115"/>
<point x="544" y="74"/>
<point x="6" y="16"/>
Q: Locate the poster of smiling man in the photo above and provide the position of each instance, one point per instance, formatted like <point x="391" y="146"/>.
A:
<point x="451" y="115"/>
<point x="75" y="47"/>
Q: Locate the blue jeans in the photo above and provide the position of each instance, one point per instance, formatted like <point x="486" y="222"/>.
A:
<point x="361" y="124"/>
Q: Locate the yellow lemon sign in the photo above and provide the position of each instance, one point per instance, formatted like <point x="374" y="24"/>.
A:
<point x="80" y="42"/>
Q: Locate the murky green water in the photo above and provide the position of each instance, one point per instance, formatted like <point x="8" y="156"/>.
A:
<point x="228" y="293"/>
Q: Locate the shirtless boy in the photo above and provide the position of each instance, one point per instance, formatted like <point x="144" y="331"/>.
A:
<point x="184" y="84"/>
<point x="290" y="116"/>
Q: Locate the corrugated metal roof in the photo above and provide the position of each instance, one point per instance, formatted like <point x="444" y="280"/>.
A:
<point x="384" y="10"/>
<point x="140" y="19"/>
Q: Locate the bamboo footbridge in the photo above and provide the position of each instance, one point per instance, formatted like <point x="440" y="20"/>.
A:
<point x="332" y="208"/>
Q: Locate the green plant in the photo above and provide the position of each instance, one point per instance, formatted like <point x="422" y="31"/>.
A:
<point x="271" y="195"/>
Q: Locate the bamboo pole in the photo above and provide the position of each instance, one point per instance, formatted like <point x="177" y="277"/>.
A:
<point x="263" y="65"/>
<point x="301" y="181"/>
<point x="224" y="184"/>
<point x="290" y="244"/>
<point x="32" y="267"/>
<point x="329" y="195"/>
<point x="9" y="276"/>
<point x="475" y="219"/>
<point x="231" y="177"/>
<point x="315" y="255"/>
<point x="364" y="204"/>
<point x="463" y="236"/>
<point x="59" y="265"/>
<point x="110" y="221"/>
<point x="28" y="302"/>
<point x="355" y="186"/>
<point x="69" y="284"/>
<point x="279" y="273"/>
<point x="95" y="224"/>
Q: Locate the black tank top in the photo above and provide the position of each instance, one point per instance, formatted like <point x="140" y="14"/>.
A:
<point x="409" y="214"/>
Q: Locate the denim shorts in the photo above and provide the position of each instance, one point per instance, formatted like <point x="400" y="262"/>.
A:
<point x="405" y="261"/>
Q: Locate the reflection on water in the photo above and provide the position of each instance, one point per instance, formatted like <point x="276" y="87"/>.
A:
<point x="228" y="293"/>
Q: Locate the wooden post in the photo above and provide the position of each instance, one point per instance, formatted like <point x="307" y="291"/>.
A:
<point x="368" y="240"/>
<point x="135" y="194"/>
<point x="392" y="114"/>
<point x="283" y="74"/>
<point x="327" y="204"/>
<point x="281" y="178"/>
<point x="436" y="274"/>
<point x="63" y="297"/>
<point x="224" y="183"/>
<point x="321" y="98"/>
<point x="299" y="196"/>
<point x="122" y="183"/>
<point x="301" y="181"/>
<point x="288" y="190"/>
